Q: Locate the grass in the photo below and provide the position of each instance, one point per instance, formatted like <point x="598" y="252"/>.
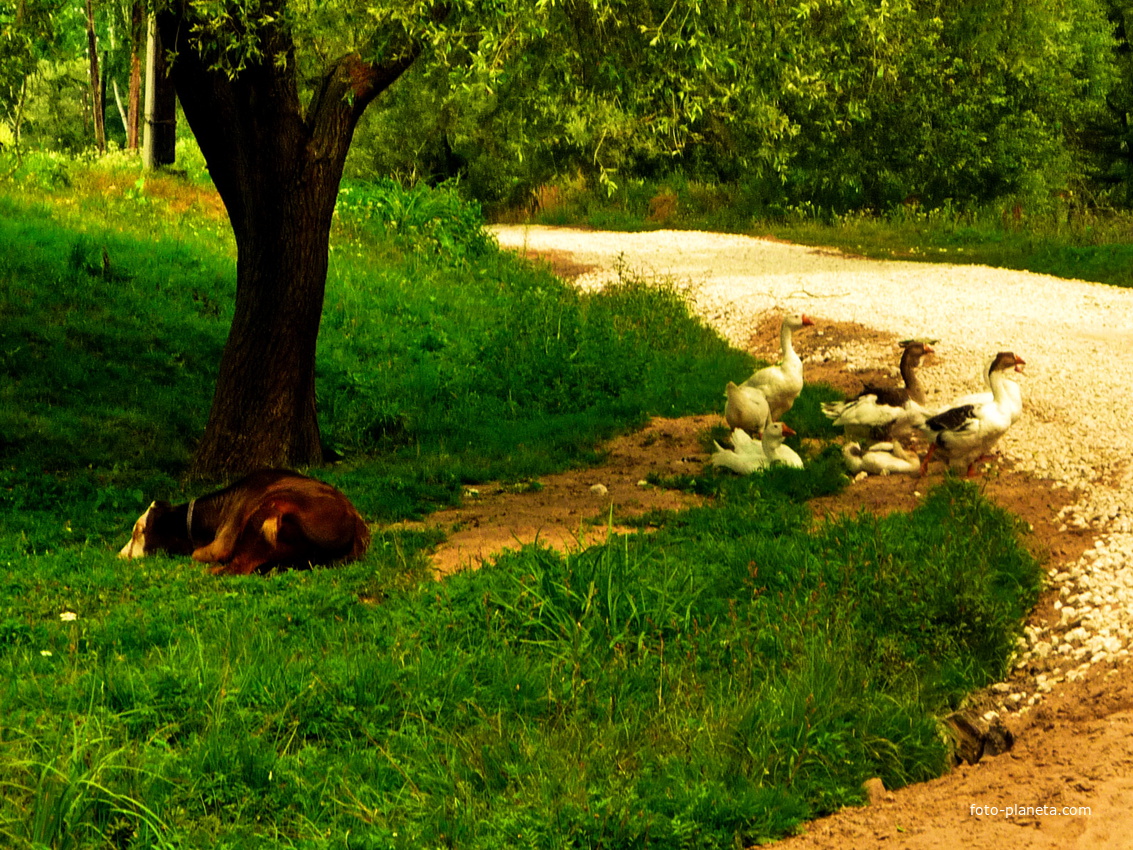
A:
<point x="711" y="684"/>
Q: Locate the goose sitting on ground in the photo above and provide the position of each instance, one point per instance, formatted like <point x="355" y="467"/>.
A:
<point x="884" y="413"/>
<point x="782" y="383"/>
<point x="966" y="432"/>
<point x="749" y="456"/>
<point x="881" y="459"/>
<point x="746" y="408"/>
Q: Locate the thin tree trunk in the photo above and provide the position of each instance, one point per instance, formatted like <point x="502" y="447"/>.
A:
<point x="95" y="84"/>
<point x="133" y="103"/>
<point x="122" y="116"/>
<point x="134" y="92"/>
<point x="159" y="145"/>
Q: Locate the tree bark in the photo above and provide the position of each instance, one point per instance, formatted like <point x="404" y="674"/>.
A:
<point x="96" y="86"/>
<point x="159" y="143"/>
<point x="133" y="95"/>
<point x="277" y="170"/>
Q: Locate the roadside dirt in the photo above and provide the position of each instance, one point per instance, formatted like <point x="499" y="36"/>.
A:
<point x="1073" y="750"/>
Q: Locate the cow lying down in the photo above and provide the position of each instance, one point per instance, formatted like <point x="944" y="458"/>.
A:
<point x="269" y="518"/>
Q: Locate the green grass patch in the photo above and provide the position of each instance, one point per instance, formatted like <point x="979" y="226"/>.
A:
<point x="710" y="684"/>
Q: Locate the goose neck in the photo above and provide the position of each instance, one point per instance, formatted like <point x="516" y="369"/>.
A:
<point x="912" y="382"/>
<point x="785" y="343"/>
<point x="1000" y="389"/>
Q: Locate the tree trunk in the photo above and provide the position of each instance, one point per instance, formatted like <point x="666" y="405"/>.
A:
<point x="159" y="145"/>
<point x="96" y="90"/>
<point x="134" y="92"/>
<point x="277" y="171"/>
<point x="263" y="411"/>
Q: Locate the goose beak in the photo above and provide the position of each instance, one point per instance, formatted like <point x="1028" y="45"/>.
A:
<point x="788" y="431"/>
<point x="807" y="320"/>
<point x="1019" y="364"/>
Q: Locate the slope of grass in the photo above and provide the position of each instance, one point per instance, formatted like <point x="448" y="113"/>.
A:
<point x="711" y="684"/>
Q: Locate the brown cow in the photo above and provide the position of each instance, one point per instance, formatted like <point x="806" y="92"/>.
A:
<point x="273" y="517"/>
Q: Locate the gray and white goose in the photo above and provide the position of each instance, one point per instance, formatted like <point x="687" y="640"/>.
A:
<point x="885" y="413"/>
<point x="963" y="433"/>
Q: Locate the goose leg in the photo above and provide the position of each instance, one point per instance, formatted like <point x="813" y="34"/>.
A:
<point x="928" y="456"/>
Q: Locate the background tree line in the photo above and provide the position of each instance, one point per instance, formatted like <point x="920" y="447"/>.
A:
<point x="839" y="104"/>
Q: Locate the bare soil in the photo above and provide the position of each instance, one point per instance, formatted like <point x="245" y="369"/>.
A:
<point x="1075" y="749"/>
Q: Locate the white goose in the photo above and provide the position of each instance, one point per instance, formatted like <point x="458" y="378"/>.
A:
<point x="782" y="383"/>
<point x="965" y="432"/>
<point x="750" y="456"/>
<point x="746" y="408"/>
<point x="881" y="459"/>
<point x="885" y="413"/>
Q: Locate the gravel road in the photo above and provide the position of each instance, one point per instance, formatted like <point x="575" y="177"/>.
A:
<point x="1075" y="337"/>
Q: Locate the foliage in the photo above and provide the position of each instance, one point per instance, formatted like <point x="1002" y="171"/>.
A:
<point x="1070" y="242"/>
<point x="840" y="104"/>
<point x="28" y="35"/>
<point x="843" y="104"/>
<point x="451" y="361"/>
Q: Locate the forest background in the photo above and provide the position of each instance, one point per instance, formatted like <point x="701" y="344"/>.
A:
<point x="816" y="108"/>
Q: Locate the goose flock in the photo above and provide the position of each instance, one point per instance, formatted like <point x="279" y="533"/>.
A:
<point x="883" y="426"/>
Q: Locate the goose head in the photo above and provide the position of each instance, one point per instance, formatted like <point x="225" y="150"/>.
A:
<point x="915" y="351"/>
<point x="1004" y="361"/>
<point x="774" y="433"/>
<point x="795" y="321"/>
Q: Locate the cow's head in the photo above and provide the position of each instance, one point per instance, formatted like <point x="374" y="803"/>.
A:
<point x="151" y="534"/>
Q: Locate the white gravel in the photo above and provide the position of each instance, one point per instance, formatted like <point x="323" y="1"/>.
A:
<point x="1075" y="336"/>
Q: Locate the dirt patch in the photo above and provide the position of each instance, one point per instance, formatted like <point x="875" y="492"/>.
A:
<point x="1068" y="778"/>
<point x="560" y="263"/>
<point x="577" y="508"/>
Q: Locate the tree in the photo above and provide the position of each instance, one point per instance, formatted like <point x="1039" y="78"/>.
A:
<point x="98" y="111"/>
<point x="276" y="165"/>
<point x="240" y="68"/>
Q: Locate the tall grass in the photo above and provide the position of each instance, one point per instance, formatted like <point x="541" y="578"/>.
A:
<point x="710" y="684"/>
